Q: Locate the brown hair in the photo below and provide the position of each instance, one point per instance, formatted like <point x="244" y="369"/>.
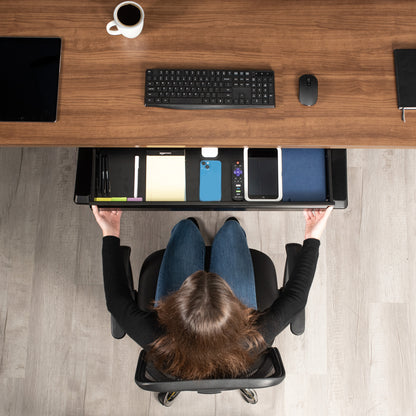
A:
<point x="210" y="333"/>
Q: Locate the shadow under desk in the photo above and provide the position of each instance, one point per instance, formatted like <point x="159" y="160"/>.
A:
<point x="311" y="178"/>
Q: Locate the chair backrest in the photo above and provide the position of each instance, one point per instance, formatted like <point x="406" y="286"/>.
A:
<point x="269" y="372"/>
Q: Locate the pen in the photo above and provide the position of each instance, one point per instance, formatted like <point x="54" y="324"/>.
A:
<point x="136" y="175"/>
<point x="105" y="174"/>
<point x="102" y="187"/>
<point x="107" y="178"/>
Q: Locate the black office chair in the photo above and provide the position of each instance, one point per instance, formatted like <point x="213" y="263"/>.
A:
<point x="269" y="371"/>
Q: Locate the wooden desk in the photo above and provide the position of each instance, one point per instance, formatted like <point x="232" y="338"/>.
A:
<point x="348" y="45"/>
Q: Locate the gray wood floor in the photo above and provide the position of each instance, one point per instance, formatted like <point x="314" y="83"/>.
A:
<point x="57" y="357"/>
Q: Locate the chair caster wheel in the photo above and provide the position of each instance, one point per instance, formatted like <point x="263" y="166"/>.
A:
<point x="249" y="395"/>
<point x="166" y="399"/>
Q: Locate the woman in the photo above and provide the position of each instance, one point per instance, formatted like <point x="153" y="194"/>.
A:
<point x="205" y="324"/>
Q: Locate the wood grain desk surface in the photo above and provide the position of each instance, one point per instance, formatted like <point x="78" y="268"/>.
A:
<point x="348" y="45"/>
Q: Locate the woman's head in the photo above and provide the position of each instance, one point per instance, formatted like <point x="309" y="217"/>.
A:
<point x="209" y="332"/>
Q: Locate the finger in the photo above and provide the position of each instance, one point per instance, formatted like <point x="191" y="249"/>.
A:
<point x="320" y="213"/>
<point x="324" y="214"/>
<point x="95" y="211"/>
<point x="328" y="211"/>
<point x="308" y="213"/>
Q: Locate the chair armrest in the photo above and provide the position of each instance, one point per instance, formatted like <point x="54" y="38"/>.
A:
<point x="292" y="253"/>
<point x="297" y="326"/>
<point x="149" y="273"/>
<point x="265" y="279"/>
<point x="116" y="330"/>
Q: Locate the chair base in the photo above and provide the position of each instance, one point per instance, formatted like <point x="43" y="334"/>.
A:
<point x="166" y="399"/>
<point x="249" y="395"/>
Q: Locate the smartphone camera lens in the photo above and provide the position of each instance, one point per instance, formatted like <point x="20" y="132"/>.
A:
<point x="207" y="167"/>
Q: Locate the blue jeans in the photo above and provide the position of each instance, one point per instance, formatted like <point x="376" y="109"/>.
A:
<point x="230" y="258"/>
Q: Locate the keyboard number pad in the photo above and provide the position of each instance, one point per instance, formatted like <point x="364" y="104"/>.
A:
<point x="262" y="88"/>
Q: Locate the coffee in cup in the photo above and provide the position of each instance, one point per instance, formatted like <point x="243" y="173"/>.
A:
<point x="128" y="20"/>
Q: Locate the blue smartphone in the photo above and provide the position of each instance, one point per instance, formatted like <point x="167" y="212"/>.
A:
<point x="210" y="180"/>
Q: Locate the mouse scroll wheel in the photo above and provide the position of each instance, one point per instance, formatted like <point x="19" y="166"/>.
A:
<point x="308" y="81"/>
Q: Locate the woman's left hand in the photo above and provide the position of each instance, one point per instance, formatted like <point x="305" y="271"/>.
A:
<point x="108" y="219"/>
<point x="315" y="221"/>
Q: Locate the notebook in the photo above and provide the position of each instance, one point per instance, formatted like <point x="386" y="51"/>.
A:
<point x="405" y="65"/>
<point x="165" y="177"/>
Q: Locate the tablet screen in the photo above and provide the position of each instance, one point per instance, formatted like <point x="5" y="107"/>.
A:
<point x="29" y="76"/>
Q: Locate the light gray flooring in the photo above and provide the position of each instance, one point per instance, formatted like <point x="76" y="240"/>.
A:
<point x="357" y="356"/>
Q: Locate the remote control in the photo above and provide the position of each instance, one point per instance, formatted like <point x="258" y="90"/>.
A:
<point x="237" y="181"/>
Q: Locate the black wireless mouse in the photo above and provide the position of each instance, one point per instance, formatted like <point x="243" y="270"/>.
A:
<point x="308" y="89"/>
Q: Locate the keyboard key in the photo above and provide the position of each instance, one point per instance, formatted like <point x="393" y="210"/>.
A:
<point x="187" y="100"/>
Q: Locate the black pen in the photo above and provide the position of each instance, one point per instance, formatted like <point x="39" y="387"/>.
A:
<point x="102" y="175"/>
<point x="107" y="178"/>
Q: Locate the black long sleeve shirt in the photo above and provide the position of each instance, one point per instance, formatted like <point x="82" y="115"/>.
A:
<point x="143" y="327"/>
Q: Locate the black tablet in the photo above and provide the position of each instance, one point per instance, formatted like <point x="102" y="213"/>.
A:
<point x="263" y="174"/>
<point x="29" y="78"/>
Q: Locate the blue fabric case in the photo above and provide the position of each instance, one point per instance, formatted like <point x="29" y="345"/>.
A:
<point x="304" y="175"/>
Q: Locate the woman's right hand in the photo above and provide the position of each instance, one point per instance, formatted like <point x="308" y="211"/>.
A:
<point x="316" y="220"/>
<point x="108" y="219"/>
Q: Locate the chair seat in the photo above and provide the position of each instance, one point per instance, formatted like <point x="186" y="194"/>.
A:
<point x="264" y="273"/>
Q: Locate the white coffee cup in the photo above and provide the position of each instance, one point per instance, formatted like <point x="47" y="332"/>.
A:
<point x="128" y="20"/>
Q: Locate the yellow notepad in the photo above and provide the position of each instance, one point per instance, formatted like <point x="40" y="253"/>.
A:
<point x="165" y="178"/>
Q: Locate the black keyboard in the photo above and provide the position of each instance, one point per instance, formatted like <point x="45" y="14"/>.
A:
<point x="209" y="89"/>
